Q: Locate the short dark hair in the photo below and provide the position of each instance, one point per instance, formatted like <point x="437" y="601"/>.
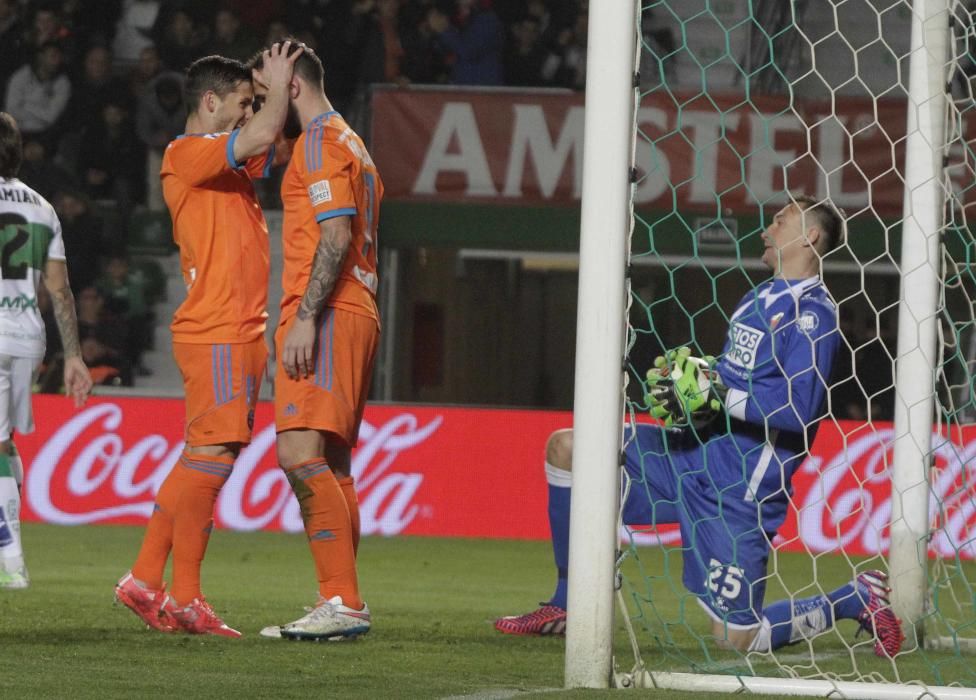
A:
<point x="829" y="219"/>
<point x="216" y="74"/>
<point x="308" y="65"/>
<point x="11" y="146"/>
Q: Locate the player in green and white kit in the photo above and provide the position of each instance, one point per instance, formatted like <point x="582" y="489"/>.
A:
<point x="31" y="249"/>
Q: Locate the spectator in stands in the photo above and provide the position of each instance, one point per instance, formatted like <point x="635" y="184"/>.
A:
<point x="133" y="31"/>
<point x="103" y="338"/>
<point x="336" y="30"/>
<point x="111" y="159"/>
<point x="525" y="54"/>
<point x="38" y="94"/>
<point x="12" y="42"/>
<point x="540" y="12"/>
<point x="475" y="39"/>
<point x="566" y="64"/>
<point x="125" y="298"/>
<point x="84" y="240"/>
<point x="47" y="28"/>
<point x="231" y="38"/>
<point x="381" y="49"/>
<point x="91" y="22"/>
<point x="424" y="59"/>
<point x="160" y="119"/>
<point x="44" y="173"/>
<point x="144" y="72"/>
<point x="94" y="88"/>
<point x="180" y="39"/>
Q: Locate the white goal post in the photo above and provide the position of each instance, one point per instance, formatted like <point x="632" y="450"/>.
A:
<point x="599" y="395"/>
<point x="918" y="312"/>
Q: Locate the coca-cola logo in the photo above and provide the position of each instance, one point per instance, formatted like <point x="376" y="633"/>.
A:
<point x="85" y="473"/>
<point x="848" y="506"/>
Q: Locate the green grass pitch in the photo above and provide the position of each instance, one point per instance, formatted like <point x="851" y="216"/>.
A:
<point x="433" y="601"/>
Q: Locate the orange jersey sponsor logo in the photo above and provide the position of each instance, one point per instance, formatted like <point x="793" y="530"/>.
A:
<point x="331" y="174"/>
<point x="223" y="239"/>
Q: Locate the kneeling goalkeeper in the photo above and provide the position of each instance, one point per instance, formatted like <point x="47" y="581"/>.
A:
<point x="735" y="432"/>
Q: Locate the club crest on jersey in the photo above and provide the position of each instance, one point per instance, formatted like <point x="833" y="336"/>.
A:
<point x="320" y="192"/>
<point x="808" y="322"/>
<point x="745" y="342"/>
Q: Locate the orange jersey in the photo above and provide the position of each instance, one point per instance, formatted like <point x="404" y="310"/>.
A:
<point x="223" y="239"/>
<point x="330" y="174"/>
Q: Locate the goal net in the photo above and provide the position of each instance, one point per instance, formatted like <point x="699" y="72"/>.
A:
<point x="743" y="105"/>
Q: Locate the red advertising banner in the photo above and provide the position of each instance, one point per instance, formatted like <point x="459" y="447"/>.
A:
<point x="453" y="472"/>
<point x="418" y="470"/>
<point x="526" y="147"/>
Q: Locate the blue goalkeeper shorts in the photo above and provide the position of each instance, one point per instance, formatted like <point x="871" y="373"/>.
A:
<point x="724" y="547"/>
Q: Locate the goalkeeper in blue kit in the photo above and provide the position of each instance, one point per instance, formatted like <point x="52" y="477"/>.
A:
<point x="735" y="430"/>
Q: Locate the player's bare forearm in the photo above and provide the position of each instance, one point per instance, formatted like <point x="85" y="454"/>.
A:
<point x="326" y="266"/>
<point x="63" y="302"/>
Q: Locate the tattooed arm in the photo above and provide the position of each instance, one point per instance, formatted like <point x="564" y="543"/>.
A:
<point x="299" y="347"/>
<point x="77" y="380"/>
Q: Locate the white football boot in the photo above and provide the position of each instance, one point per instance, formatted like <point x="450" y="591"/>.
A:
<point x="329" y="620"/>
<point x="13" y="574"/>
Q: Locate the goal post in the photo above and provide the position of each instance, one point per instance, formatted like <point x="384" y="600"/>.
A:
<point x="918" y="312"/>
<point x="606" y="223"/>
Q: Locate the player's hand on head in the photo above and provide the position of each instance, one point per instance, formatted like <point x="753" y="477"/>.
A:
<point x="77" y="380"/>
<point x="298" y="351"/>
<point x="278" y="64"/>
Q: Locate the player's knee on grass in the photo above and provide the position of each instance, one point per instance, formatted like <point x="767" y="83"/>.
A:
<point x="559" y="449"/>
<point x="736" y="639"/>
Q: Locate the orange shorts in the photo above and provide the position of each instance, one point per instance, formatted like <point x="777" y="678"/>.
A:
<point x="334" y="397"/>
<point x="221" y="383"/>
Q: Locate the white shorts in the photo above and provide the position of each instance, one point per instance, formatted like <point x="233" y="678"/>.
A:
<point x="16" y="382"/>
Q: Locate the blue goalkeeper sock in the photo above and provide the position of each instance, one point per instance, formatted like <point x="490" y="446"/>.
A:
<point x="802" y="619"/>
<point x="559" y="497"/>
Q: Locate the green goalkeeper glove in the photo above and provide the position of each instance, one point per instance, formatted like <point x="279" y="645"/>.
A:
<point x="684" y="390"/>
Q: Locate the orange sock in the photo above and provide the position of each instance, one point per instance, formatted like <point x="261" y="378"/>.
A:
<point x="199" y="479"/>
<point x="158" y="540"/>
<point x="329" y="530"/>
<point x="348" y="486"/>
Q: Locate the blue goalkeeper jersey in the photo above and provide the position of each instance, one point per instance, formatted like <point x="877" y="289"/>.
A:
<point x="777" y="361"/>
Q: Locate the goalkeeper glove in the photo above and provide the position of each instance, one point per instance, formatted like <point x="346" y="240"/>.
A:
<point x="684" y="390"/>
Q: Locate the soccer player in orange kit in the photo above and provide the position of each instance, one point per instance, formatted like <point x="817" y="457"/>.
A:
<point x="218" y="331"/>
<point x="326" y="340"/>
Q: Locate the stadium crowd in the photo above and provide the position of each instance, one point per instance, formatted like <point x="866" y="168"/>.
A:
<point x="96" y="88"/>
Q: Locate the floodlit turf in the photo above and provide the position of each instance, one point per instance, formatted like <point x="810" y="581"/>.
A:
<point x="433" y="602"/>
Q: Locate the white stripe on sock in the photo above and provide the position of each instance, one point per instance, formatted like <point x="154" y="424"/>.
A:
<point x="764" y="637"/>
<point x="558" y="477"/>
